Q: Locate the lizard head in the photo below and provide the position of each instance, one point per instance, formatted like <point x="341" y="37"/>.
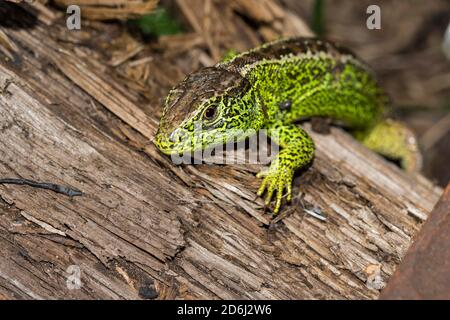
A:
<point x="209" y="107"/>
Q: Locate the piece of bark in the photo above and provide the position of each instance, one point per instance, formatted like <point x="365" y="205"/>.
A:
<point x="148" y="229"/>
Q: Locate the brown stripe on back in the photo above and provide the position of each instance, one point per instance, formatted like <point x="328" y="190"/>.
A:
<point x="277" y="49"/>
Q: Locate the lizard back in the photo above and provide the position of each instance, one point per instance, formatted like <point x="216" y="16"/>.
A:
<point x="304" y="77"/>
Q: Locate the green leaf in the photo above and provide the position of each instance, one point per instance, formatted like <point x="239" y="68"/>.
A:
<point x="317" y="24"/>
<point x="158" y="23"/>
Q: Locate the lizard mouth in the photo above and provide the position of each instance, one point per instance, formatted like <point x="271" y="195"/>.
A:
<point x="170" y="146"/>
<point x="164" y="145"/>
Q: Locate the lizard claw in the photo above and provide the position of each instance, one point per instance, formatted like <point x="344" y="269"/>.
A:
<point x="276" y="179"/>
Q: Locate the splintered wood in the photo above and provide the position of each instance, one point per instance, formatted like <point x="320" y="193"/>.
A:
<point x="78" y="109"/>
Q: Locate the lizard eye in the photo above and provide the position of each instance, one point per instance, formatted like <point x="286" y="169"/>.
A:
<point x="210" y="113"/>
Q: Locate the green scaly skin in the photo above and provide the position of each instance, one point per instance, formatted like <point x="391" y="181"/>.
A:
<point x="271" y="87"/>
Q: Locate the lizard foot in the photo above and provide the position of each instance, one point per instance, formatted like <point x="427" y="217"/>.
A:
<point x="276" y="178"/>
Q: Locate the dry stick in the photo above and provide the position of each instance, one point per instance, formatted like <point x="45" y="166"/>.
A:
<point x="71" y="192"/>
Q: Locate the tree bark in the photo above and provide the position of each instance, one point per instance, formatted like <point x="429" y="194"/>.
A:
<point x="145" y="228"/>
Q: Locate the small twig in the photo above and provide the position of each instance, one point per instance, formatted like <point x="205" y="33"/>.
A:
<point x="71" y="192"/>
<point x="316" y="213"/>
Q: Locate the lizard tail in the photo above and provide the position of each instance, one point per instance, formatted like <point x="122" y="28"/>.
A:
<point x="394" y="140"/>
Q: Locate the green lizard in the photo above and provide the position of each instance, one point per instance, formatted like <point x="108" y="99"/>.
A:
<point x="272" y="86"/>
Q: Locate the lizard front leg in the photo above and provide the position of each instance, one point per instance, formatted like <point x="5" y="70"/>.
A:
<point x="297" y="151"/>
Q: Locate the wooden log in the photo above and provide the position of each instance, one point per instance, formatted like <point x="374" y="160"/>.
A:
<point x="148" y="229"/>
